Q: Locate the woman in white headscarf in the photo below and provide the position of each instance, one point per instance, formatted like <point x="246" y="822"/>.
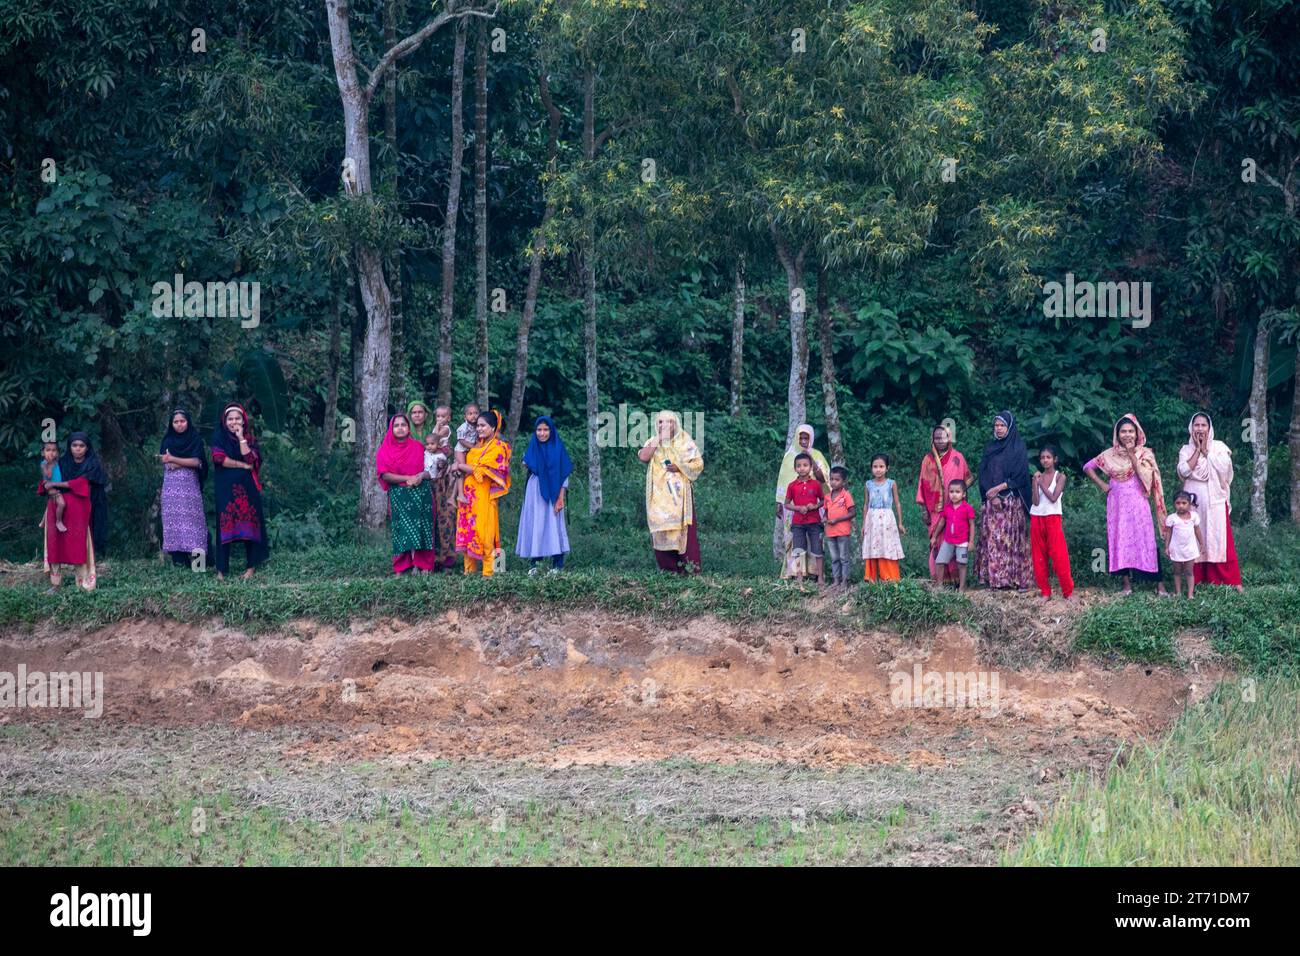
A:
<point x="782" y="540"/>
<point x="1205" y="465"/>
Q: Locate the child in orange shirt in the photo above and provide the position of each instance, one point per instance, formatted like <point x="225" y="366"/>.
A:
<point x="838" y="515"/>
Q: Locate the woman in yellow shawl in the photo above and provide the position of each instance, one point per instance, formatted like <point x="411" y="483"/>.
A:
<point x="675" y="463"/>
<point x="782" y="540"/>
<point x="487" y="478"/>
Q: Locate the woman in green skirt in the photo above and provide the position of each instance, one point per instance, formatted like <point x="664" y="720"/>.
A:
<point x="399" y="466"/>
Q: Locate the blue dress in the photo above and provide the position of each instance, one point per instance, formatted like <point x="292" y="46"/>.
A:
<point x="542" y="533"/>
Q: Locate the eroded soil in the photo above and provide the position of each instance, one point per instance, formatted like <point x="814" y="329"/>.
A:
<point x="559" y="689"/>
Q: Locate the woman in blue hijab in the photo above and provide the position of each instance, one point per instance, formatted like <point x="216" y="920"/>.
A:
<point x="542" y="530"/>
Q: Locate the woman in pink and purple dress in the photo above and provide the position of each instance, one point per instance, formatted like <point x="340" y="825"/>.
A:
<point x="1132" y="487"/>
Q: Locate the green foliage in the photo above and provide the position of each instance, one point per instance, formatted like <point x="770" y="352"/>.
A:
<point x="928" y="363"/>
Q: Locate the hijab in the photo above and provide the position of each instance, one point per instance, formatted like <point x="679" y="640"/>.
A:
<point x="1006" y="459"/>
<point x="423" y="431"/>
<point x="787" y="473"/>
<point x="187" y="444"/>
<point x="669" y="502"/>
<point x="398" y="456"/>
<point x="548" y="460"/>
<point x="1214" y="467"/>
<point x="1114" y="461"/>
<point x="91" y="467"/>
<point x="932" y="473"/>
<point x="224" y="440"/>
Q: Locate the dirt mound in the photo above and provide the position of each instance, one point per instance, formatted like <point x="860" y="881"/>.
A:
<point x="563" y="689"/>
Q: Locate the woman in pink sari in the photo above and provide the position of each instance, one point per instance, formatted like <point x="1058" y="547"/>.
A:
<point x="399" y="468"/>
<point x="944" y="464"/>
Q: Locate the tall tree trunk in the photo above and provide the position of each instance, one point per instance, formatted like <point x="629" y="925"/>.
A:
<point x="826" y="336"/>
<point x="480" y="215"/>
<point x="796" y="395"/>
<point x="393" y="267"/>
<point x="372" y="391"/>
<point x="738" y="339"/>
<point x="553" y="118"/>
<point x="376" y="362"/>
<point x="453" y="212"/>
<point x="357" y="328"/>
<point x="595" y="492"/>
<point x="1294" y="442"/>
<point x="1259" y="419"/>
<point x="330" y="425"/>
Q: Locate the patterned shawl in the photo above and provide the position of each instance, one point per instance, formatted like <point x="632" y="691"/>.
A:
<point x="492" y="455"/>
<point x="669" y="503"/>
<point x="1114" y="461"/>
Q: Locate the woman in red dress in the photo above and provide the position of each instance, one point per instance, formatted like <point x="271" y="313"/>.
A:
<point x="85" y="513"/>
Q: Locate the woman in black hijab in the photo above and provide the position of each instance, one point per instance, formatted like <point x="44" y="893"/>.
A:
<point x="185" y="467"/>
<point x="1004" y="559"/>
<point x="91" y="468"/>
<point x="83" y="482"/>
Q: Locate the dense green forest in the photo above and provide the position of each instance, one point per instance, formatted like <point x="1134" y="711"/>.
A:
<point x="757" y="213"/>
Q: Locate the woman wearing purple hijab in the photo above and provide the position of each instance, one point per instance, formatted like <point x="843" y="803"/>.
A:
<point x="542" y="531"/>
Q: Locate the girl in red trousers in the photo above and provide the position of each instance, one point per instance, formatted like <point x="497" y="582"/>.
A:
<point x="1045" y="531"/>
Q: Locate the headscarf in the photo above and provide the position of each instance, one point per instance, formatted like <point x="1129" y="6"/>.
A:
<point x="787" y="473"/>
<point x="224" y="440"/>
<point x="91" y="467"/>
<point x="188" y="444"/>
<point x="423" y="431"/>
<point x="549" y="460"/>
<point x="669" y="503"/>
<point x="1214" y="468"/>
<point x="1114" y="461"/>
<point x="932" y="474"/>
<point x="494" y="455"/>
<point x="398" y="456"/>
<point x="1006" y="459"/>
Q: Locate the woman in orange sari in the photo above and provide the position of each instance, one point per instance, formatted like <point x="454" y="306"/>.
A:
<point x="944" y="464"/>
<point x="487" y="478"/>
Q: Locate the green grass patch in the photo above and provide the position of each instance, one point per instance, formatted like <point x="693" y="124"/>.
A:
<point x="1223" y="789"/>
<point x="1258" y="630"/>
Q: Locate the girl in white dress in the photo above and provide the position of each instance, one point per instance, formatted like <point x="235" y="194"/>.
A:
<point x="1185" y="541"/>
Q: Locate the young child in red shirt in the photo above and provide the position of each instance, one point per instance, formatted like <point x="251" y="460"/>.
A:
<point x="804" y="497"/>
<point x="957" y="532"/>
<point x="838" y="516"/>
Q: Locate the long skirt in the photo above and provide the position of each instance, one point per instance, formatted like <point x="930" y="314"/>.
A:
<point x="185" y="527"/>
<point x="446" y="492"/>
<point x="1004" y="559"/>
<point x="74" y="548"/>
<point x="411" y="516"/>
<point x="681" y="562"/>
<point x="542" y="532"/>
<point x="880" y="535"/>
<point x="1222" y="572"/>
